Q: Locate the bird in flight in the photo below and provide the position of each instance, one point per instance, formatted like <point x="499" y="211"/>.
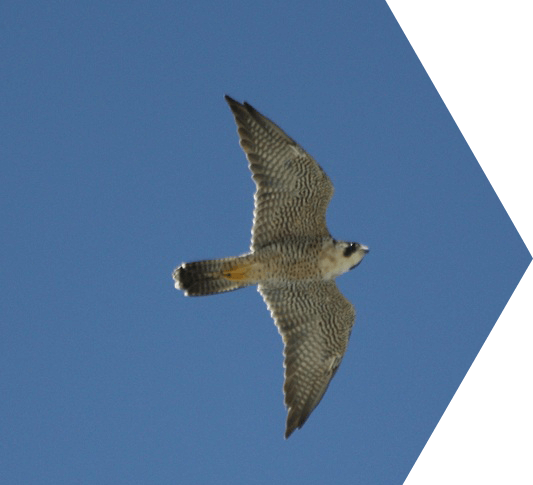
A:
<point x="293" y="260"/>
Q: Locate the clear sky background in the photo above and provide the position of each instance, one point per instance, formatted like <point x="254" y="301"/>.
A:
<point x="120" y="160"/>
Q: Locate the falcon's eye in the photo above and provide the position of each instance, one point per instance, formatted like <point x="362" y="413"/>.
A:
<point x="352" y="248"/>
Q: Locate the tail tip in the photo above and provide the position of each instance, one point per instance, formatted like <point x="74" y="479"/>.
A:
<point x="178" y="276"/>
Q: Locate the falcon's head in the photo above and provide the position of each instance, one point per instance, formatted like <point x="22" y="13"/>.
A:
<point x="339" y="256"/>
<point x="354" y="253"/>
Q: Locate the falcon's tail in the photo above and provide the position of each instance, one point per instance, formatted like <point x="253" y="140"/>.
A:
<point x="214" y="276"/>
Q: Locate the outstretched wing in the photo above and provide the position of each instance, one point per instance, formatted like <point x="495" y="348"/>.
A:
<point x="315" y="322"/>
<point x="292" y="190"/>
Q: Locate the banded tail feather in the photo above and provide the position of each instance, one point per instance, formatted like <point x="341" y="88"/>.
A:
<point x="213" y="276"/>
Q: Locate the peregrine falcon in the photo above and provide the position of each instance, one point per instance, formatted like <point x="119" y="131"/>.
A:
<point x="293" y="259"/>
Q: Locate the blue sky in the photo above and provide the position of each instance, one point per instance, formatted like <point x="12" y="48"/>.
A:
<point x="121" y="160"/>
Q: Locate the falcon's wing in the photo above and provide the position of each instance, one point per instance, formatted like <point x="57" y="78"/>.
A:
<point x="293" y="191"/>
<point x="315" y="322"/>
